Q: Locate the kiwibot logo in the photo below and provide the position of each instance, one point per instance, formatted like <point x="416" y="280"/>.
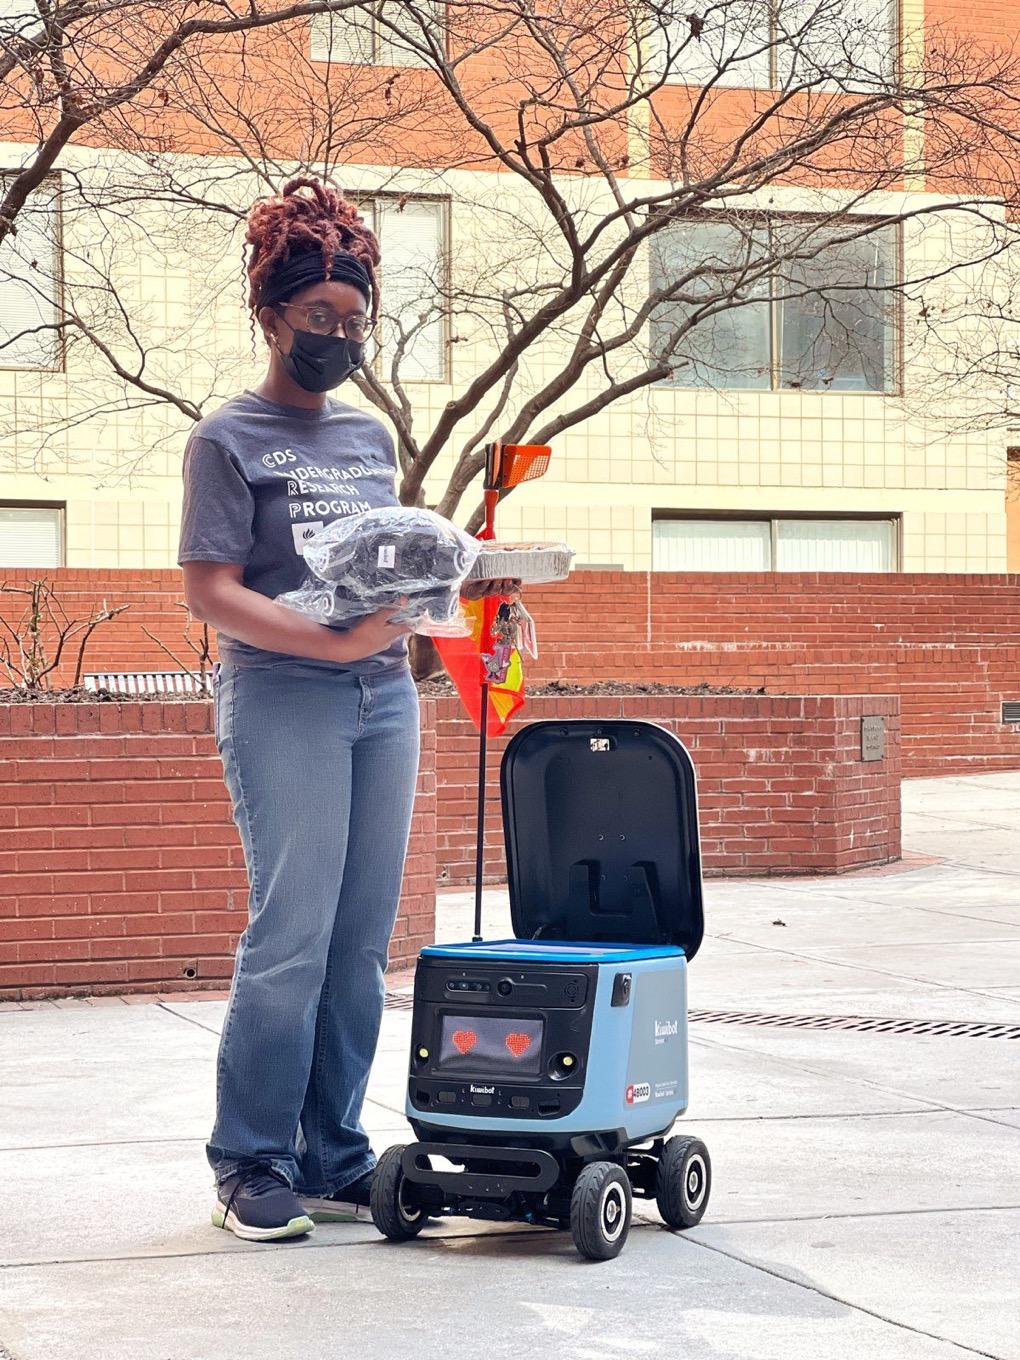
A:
<point x="666" y="1029"/>
<point x="483" y="1090"/>
<point x="639" y="1092"/>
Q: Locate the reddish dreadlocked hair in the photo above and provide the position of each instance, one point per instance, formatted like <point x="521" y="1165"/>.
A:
<point x="291" y="222"/>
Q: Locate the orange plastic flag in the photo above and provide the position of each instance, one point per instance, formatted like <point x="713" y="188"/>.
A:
<point x="464" y="659"/>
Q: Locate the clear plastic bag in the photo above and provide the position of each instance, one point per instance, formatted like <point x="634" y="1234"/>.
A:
<point x="369" y="561"/>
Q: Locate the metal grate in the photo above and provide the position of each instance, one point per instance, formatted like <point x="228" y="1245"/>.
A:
<point x="867" y="1024"/>
<point x="150" y="682"/>
<point x="1011" y="710"/>
<point x="395" y="1001"/>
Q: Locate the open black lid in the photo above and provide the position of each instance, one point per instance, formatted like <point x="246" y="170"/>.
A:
<point x="601" y="827"/>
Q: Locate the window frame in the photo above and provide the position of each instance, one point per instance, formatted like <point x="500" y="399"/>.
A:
<point x="376" y="47"/>
<point x="772" y="518"/>
<point x="775" y="388"/>
<point x="13" y="503"/>
<point x="829" y="86"/>
<point x="445" y="204"/>
<point x="59" y="365"/>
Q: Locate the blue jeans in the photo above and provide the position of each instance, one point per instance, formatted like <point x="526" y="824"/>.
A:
<point x="321" y="767"/>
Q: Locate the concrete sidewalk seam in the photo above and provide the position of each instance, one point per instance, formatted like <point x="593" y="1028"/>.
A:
<point x="861" y="1213"/>
<point x="845" y="1303"/>
<point x="860" y="967"/>
<point x="188" y="1019"/>
<point x="969" y="1112"/>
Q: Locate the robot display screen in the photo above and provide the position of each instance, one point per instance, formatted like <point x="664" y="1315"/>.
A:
<point x="491" y="1043"/>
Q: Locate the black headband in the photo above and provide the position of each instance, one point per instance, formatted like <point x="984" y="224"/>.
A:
<point x="301" y="270"/>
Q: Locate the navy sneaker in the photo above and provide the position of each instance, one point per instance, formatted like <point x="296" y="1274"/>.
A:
<point x="349" y="1205"/>
<point x="256" y="1203"/>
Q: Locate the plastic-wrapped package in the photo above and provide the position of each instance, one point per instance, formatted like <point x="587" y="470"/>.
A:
<point x="369" y="561"/>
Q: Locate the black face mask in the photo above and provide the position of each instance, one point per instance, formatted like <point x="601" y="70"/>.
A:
<point x="319" y="362"/>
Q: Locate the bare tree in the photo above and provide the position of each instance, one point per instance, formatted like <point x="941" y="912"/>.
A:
<point x="201" y="667"/>
<point x="668" y="183"/>
<point x="32" y="646"/>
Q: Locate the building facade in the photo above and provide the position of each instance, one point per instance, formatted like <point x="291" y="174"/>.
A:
<point x="774" y="447"/>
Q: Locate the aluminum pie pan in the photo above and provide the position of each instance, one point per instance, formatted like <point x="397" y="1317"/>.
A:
<point x="531" y="563"/>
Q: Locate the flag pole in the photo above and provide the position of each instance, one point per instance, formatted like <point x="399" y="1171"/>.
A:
<point x="480" y="830"/>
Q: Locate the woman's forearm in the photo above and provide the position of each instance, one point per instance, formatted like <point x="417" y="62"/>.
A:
<point x="244" y="614"/>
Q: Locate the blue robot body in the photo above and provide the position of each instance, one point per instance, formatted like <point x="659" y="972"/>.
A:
<point x="551" y="1065"/>
<point x="623" y="1023"/>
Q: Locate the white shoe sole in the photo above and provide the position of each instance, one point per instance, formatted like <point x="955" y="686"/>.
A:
<point x="335" y="1211"/>
<point x="297" y="1227"/>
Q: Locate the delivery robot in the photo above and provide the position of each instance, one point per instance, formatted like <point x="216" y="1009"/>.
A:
<point x="547" y="1070"/>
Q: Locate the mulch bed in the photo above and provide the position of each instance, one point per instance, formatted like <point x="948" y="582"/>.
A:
<point x="429" y="689"/>
<point x="88" y="696"/>
<point x="438" y="689"/>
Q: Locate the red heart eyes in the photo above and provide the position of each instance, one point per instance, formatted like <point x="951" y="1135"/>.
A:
<point x="518" y="1044"/>
<point x="465" y="1039"/>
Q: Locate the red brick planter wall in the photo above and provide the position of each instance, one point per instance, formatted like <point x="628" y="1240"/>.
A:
<point x="948" y="645"/>
<point x="120" y="867"/>
<point x="781" y="784"/>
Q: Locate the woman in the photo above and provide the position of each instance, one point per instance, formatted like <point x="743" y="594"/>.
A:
<point x="317" y="729"/>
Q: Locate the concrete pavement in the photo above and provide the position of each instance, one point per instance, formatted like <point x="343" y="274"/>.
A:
<point x="867" y="1184"/>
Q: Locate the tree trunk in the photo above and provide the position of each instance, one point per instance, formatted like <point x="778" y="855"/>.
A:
<point x="425" y="660"/>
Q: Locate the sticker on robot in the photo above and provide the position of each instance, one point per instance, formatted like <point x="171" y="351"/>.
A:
<point x="638" y="1093"/>
<point x="666" y="1089"/>
<point x="666" y="1029"/>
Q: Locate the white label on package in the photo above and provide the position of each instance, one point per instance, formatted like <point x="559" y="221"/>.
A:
<point x="387" y="555"/>
<point x="302" y="533"/>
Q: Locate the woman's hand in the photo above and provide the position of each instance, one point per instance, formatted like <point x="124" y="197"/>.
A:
<point x="215" y="592"/>
<point x="374" y="633"/>
<point x="475" y="590"/>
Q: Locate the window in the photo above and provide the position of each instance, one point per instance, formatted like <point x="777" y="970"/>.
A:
<point x="29" y="284"/>
<point x="412" y="237"/>
<point x="775" y="543"/>
<point x="31" y="536"/>
<point x="829" y="44"/>
<point x="800" y="308"/>
<point x="18" y="19"/>
<point x="357" y="38"/>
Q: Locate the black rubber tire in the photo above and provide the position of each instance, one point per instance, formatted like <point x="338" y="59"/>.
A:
<point x="392" y="1213"/>
<point x="600" y="1208"/>
<point x="683" y="1182"/>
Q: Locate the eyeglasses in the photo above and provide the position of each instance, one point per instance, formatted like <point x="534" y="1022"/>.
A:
<point x="322" y="320"/>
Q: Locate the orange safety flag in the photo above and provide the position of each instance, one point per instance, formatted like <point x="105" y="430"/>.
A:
<point x="463" y="659"/>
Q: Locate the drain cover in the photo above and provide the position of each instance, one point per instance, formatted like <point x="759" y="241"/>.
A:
<point x="868" y="1024"/>
<point x="395" y="1001"/>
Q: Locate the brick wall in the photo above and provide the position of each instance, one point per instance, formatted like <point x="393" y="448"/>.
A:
<point x="781" y="784"/>
<point x="120" y="867"/>
<point x="948" y="645"/>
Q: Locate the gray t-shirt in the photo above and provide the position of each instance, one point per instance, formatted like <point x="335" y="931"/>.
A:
<point x="260" y="478"/>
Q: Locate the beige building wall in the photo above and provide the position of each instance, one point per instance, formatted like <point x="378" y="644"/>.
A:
<point x="667" y="449"/>
<point x="1013" y="512"/>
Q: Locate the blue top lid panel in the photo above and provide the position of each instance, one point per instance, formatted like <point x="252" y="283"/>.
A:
<point x="538" y="951"/>
<point x="601" y="826"/>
